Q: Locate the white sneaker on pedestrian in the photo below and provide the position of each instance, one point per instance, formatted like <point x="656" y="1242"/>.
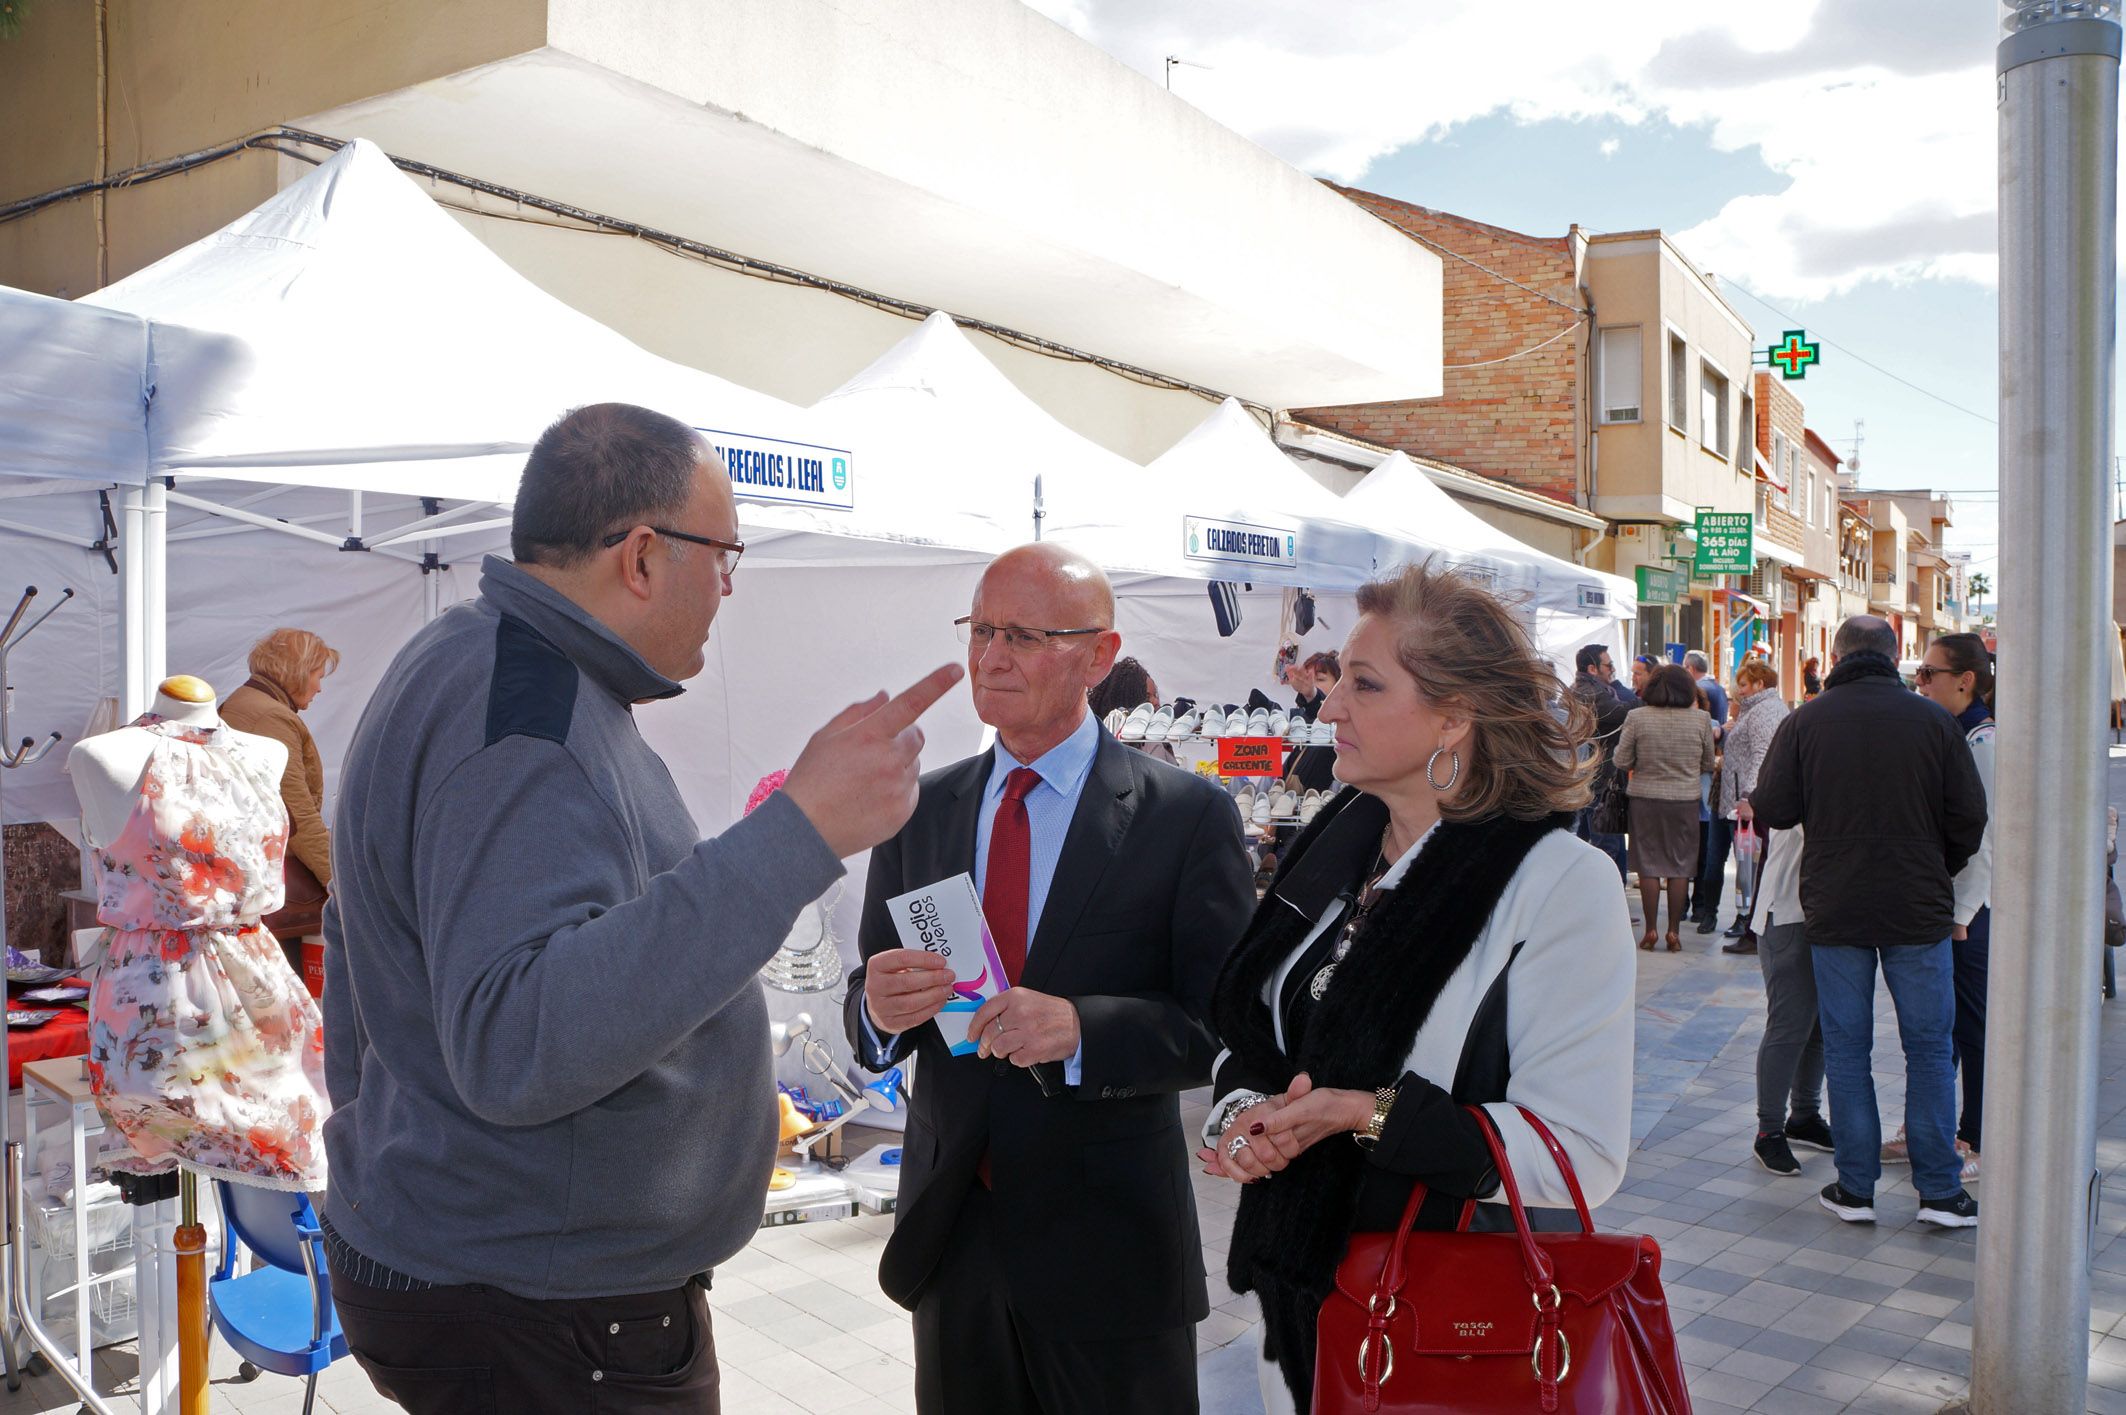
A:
<point x="1897" y="1150"/>
<point x="1970" y="1159"/>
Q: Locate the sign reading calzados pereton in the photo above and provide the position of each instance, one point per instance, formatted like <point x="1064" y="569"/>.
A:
<point x="1724" y="543"/>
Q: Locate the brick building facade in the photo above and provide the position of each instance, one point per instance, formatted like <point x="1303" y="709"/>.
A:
<point x="1519" y="420"/>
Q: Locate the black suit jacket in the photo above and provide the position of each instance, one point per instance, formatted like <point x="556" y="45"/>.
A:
<point x="1095" y="1215"/>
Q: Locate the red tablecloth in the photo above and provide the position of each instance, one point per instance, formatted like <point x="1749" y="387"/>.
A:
<point x="65" y="1035"/>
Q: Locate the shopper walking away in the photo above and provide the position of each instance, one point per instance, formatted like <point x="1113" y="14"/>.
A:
<point x="554" y="1108"/>
<point x="1667" y="747"/>
<point x="1437" y="938"/>
<point x="1790" y="1055"/>
<point x="1958" y="674"/>
<point x="1811" y="678"/>
<point x="1894" y="808"/>
<point x="1716" y="831"/>
<point x="1593" y="683"/>
<point x="1046" y="1237"/>
<point x="1759" y="711"/>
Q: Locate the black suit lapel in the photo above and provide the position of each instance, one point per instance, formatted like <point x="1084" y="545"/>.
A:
<point x="960" y="811"/>
<point x="1105" y="807"/>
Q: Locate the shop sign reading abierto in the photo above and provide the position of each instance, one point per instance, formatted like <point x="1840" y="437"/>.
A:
<point x="1659" y="586"/>
<point x="1724" y="543"/>
<point x="770" y="469"/>
<point x="1238" y="542"/>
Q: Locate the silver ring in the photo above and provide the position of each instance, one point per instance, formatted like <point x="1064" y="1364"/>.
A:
<point x="1236" y="1145"/>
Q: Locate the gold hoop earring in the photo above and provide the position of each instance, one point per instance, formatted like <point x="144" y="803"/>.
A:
<point x="1454" y="769"/>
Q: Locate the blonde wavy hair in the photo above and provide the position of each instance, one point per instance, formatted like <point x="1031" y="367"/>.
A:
<point x="287" y="657"/>
<point x="1470" y="655"/>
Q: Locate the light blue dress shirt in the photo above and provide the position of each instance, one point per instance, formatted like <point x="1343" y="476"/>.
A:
<point x="1049" y="808"/>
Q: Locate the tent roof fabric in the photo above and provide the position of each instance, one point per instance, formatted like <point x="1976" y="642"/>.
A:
<point x="953" y="448"/>
<point x="348" y="332"/>
<point x="1225" y="470"/>
<point x="1398" y="496"/>
<point x="73" y="390"/>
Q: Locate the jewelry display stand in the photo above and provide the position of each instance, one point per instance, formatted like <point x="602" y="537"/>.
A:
<point x="22" y="754"/>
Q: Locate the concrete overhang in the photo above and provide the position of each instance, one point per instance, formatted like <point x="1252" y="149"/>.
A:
<point x="967" y="155"/>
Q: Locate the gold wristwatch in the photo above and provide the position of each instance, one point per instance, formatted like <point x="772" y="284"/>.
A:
<point x="1370" y="1136"/>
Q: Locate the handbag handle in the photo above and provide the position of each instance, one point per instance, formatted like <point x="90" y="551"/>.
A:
<point x="1540" y="1272"/>
<point x="1391" y="1269"/>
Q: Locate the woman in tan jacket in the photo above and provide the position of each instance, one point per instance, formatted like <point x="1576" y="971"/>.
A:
<point x="288" y="668"/>
<point x="1665" y="745"/>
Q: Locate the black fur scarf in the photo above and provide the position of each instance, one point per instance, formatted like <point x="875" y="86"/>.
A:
<point x="1290" y="1234"/>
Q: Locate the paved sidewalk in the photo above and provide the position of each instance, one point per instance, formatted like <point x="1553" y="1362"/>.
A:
<point x="1781" y="1307"/>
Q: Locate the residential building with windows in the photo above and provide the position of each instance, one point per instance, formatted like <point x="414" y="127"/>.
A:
<point x="1605" y="373"/>
<point x="1932" y="597"/>
<point x="1794" y="592"/>
<point x="1856" y="562"/>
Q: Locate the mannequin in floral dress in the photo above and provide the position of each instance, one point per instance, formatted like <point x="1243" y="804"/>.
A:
<point x="204" y="1047"/>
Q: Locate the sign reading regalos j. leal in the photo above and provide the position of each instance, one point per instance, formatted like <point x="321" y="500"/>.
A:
<point x="1724" y="543"/>
<point x="1239" y="542"/>
<point x="800" y="473"/>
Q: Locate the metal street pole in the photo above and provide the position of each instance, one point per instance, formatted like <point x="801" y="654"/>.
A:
<point x="2059" y="89"/>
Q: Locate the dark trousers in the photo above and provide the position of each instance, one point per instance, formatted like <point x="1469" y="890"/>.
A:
<point x="1790" y="1058"/>
<point x="476" y="1350"/>
<point x="975" y="1356"/>
<point x="1970" y="956"/>
<point x="1610" y="845"/>
<point x="1715" y="837"/>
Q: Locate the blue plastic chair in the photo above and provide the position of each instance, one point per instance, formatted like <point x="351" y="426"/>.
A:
<point x="280" y="1317"/>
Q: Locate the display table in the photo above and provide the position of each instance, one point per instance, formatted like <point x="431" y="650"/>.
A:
<point x="65" y="1035"/>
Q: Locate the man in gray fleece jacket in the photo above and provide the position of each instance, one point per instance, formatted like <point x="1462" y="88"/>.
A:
<point x="554" y="1105"/>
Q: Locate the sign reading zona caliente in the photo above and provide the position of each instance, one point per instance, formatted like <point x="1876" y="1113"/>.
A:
<point x="1239" y="542"/>
<point x="1724" y="543"/>
<point x="800" y="473"/>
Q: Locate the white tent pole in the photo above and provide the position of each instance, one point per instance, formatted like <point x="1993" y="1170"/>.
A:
<point x="42" y="533"/>
<point x="252" y="517"/>
<point x="431" y="585"/>
<point x="414" y="528"/>
<point x="437" y="532"/>
<point x="354" y="515"/>
<point x="141" y="568"/>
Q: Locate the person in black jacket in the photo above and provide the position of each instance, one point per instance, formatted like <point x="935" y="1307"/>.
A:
<point x="1893" y="806"/>
<point x="1594" y="682"/>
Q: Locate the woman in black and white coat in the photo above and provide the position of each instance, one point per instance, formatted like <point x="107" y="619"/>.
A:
<point x="1436" y="938"/>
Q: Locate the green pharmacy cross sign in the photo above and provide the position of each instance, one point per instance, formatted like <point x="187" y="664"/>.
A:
<point x="1793" y="354"/>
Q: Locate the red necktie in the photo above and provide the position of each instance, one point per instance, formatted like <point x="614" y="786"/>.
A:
<point x="1010" y="863"/>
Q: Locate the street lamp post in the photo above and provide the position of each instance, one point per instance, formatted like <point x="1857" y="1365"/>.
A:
<point x="2059" y="84"/>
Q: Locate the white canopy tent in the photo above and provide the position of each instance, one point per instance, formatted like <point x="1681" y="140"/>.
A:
<point x="349" y="349"/>
<point x="1569" y="605"/>
<point x="1221" y="504"/>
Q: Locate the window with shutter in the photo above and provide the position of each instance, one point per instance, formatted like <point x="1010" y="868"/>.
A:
<point x="1619" y="373"/>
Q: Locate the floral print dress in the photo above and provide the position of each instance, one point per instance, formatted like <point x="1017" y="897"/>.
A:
<point x="205" y="1049"/>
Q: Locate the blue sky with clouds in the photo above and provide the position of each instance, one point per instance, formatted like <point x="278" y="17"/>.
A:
<point x="1832" y="157"/>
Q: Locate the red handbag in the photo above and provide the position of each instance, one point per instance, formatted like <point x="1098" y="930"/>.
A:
<point x="1470" y="1322"/>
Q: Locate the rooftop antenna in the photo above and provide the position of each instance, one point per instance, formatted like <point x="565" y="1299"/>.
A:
<point x="1852" y="460"/>
<point x="1171" y="61"/>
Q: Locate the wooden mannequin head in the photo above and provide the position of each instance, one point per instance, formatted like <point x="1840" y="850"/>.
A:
<point x="186" y="689"/>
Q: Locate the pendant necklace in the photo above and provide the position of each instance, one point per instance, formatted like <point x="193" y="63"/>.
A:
<point x="1367" y="898"/>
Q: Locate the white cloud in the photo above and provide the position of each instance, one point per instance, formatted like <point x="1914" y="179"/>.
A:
<point x="1881" y="115"/>
<point x="1609" y="146"/>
